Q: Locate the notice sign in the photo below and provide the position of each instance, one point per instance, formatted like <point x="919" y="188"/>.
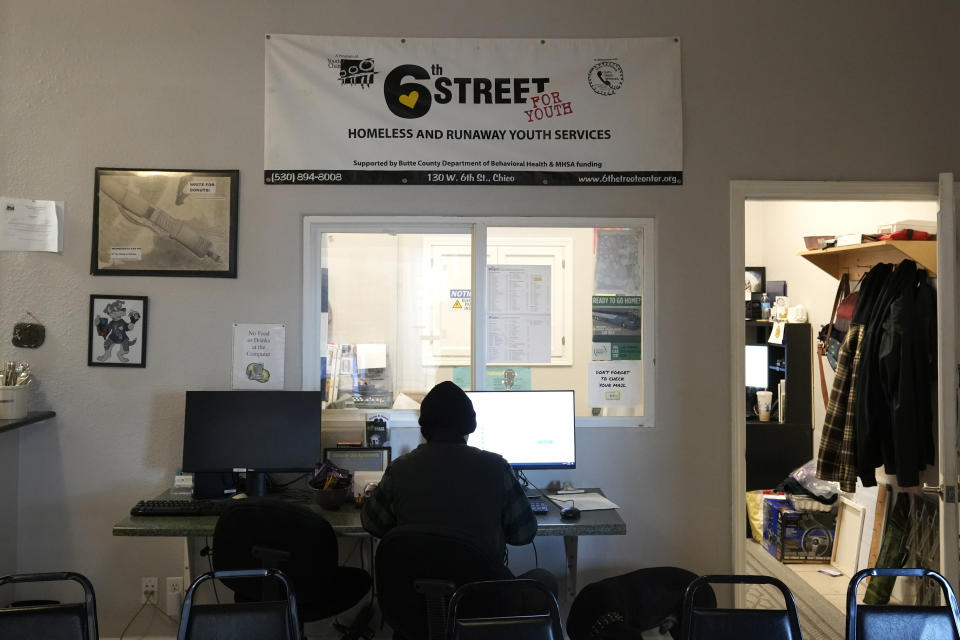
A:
<point x="455" y="111"/>
<point x="617" y="327"/>
<point x="258" y="356"/>
<point x="613" y="384"/>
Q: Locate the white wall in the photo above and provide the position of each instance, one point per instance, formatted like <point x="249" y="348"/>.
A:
<point x="772" y="90"/>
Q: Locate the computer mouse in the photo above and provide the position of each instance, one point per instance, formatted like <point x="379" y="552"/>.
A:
<point x="569" y="513"/>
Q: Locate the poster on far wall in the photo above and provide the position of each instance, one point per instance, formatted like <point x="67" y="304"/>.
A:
<point x="258" y="351"/>
<point x="472" y="111"/>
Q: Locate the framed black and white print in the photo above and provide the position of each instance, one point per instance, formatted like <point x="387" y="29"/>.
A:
<point x="165" y="223"/>
<point x="117" y="332"/>
<point x="754" y="281"/>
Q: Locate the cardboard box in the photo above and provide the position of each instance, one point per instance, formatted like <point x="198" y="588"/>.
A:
<point x="793" y="536"/>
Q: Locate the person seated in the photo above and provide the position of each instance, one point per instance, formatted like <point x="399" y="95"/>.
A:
<point x="447" y="483"/>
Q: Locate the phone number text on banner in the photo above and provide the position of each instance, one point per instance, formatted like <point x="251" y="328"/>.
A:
<point x="342" y="110"/>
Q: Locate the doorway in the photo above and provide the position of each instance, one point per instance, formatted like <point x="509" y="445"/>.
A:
<point x="796" y="209"/>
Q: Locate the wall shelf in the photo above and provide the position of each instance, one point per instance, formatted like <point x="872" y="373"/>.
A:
<point x="857" y="259"/>
<point x="32" y="416"/>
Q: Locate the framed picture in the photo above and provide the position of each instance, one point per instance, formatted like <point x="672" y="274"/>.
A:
<point x="754" y="281"/>
<point x="165" y="223"/>
<point x="117" y="332"/>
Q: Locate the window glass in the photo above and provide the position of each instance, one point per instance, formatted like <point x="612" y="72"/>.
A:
<point x="389" y="313"/>
<point x="396" y="317"/>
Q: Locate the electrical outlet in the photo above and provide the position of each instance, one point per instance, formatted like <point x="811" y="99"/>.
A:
<point x="174" y="596"/>
<point x="148" y="590"/>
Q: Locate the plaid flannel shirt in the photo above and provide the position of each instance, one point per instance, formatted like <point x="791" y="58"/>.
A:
<point x="837" y="458"/>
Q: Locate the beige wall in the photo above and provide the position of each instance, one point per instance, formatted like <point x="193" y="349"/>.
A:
<point x="771" y="90"/>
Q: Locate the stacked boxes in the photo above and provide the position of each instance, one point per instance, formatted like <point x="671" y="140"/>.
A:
<point x="797" y="536"/>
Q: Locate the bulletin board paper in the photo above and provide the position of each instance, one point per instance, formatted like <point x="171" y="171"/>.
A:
<point x="614" y="384"/>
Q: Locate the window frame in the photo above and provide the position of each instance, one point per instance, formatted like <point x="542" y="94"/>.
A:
<point x="476" y="227"/>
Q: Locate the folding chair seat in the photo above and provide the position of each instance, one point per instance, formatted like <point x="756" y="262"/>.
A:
<point x="902" y="622"/>
<point x="700" y="623"/>
<point x="518" y="609"/>
<point x="264" y="620"/>
<point x="54" y="621"/>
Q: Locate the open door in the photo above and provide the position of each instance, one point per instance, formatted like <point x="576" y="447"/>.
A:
<point x="947" y="377"/>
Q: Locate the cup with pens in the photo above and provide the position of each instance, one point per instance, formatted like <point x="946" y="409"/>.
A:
<point x="331" y="485"/>
<point x="14" y="378"/>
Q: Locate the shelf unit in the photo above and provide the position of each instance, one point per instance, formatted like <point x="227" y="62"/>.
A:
<point x="774" y="449"/>
<point x="857" y="259"/>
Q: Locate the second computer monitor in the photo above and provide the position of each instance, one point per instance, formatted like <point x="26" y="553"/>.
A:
<point x="252" y="431"/>
<point x="530" y="429"/>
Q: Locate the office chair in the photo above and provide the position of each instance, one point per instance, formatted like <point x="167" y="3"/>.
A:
<point x="886" y="622"/>
<point x="626" y="605"/>
<point x="264" y="533"/>
<point x="53" y="621"/>
<point x="498" y="614"/>
<point x="245" y="621"/>
<point x="418" y="568"/>
<point x="700" y="623"/>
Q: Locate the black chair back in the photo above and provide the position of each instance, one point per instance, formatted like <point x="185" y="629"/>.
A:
<point x="267" y="533"/>
<point x="538" y="618"/>
<point x="70" y="621"/>
<point x="733" y="624"/>
<point x="418" y="568"/>
<point x="886" y="622"/>
<point x="269" y="620"/>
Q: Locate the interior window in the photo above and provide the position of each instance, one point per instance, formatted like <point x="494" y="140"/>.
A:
<point x="389" y="313"/>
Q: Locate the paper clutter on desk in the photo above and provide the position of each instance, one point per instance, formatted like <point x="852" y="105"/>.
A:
<point x="583" y="501"/>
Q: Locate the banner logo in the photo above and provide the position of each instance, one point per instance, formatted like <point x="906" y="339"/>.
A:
<point x="357" y="72"/>
<point x="605" y="78"/>
<point x="413" y="100"/>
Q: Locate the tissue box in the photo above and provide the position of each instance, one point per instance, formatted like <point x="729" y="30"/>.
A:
<point x="793" y="536"/>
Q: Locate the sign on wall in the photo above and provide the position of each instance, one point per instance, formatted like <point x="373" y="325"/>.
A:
<point x="258" y="353"/>
<point x="442" y="111"/>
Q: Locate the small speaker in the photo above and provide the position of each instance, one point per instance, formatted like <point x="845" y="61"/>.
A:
<point x="215" y="484"/>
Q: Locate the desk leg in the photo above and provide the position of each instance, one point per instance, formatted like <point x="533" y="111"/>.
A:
<point x="570" y="546"/>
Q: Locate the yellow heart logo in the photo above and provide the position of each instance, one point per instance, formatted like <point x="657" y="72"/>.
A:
<point x="409" y="100"/>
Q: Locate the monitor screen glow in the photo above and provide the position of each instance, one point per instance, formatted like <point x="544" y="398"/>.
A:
<point x="530" y="429"/>
<point x="756" y="366"/>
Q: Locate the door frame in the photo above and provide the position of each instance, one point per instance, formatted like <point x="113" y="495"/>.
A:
<point x="740" y="192"/>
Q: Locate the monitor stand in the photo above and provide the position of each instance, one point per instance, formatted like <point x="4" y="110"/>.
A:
<point x="256" y="484"/>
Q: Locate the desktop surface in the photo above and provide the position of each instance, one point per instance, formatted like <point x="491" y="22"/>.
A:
<point x="346" y="520"/>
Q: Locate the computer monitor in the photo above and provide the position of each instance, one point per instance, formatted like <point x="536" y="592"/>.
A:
<point x="252" y="431"/>
<point x="756" y="366"/>
<point x="530" y="429"/>
<point x="359" y="458"/>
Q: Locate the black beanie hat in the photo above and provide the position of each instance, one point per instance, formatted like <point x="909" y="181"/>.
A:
<point x="446" y="409"/>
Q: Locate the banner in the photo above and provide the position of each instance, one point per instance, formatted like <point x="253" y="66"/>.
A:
<point x="455" y="111"/>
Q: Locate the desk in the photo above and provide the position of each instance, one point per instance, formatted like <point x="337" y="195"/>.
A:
<point x="346" y="522"/>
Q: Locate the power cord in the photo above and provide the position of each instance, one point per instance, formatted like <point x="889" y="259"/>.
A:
<point x="208" y="552"/>
<point x="149" y="601"/>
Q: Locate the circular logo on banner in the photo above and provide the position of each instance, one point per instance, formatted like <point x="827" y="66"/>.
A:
<point x="605" y="78"/>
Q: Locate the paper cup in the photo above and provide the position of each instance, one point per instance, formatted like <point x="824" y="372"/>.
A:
<point x="764" y="402"/>
<point x="13" y="402"/>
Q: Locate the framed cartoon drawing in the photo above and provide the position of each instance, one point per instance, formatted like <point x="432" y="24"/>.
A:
<point x="117" y="332"/>
<point x="165" y="223"/>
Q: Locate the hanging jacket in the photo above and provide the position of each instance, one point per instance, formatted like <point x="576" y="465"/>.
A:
<point x="836" y="458"/>
<point x="900" y="430"/>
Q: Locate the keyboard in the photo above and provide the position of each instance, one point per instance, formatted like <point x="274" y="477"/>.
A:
<point x="538" y="505"/>
<point x="179" y="507"/>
